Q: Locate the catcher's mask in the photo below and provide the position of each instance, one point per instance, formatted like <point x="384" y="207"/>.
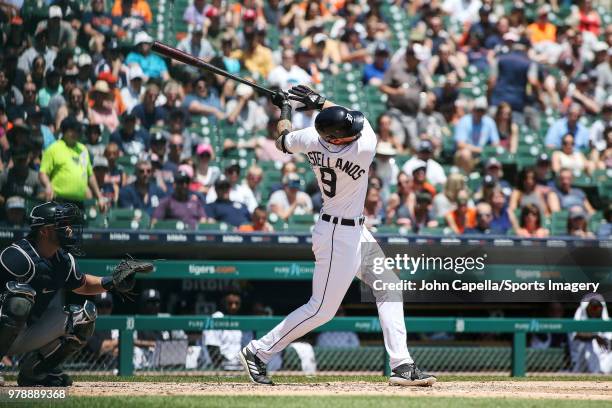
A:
<point x="67" y="220"/>
<point x="339" y="125"/>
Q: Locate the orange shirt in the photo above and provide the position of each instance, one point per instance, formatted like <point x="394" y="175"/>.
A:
<point x="139" y="7"/>
<point x="468" y="222"/>
<point x="539" y="33"/>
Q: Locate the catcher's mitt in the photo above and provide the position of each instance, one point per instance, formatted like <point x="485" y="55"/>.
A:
<point x="123" y="277"/>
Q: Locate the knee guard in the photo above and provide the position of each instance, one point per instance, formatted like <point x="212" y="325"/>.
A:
<point x="15" y="305"/>
<point x="79" y="327"/>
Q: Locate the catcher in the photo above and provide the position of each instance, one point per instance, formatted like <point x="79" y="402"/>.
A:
<point x="34" y="271"/>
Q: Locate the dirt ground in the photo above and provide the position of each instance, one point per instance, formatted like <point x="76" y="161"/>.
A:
<point x="582" y="390"/>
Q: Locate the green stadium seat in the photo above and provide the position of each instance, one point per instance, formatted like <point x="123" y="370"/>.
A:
<point x="128" y="224"/>
<point x="213" y="226"/>
<point x="173" y="225"/>
<point x="304" y="219"/>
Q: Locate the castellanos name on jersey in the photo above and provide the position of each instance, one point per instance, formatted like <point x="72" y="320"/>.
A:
<point x="342" y="171"/>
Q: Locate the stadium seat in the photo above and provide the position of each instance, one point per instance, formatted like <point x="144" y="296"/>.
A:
<point x="175" y="225"/>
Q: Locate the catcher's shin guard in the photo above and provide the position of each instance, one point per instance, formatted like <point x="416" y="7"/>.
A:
<point x="38" y="364"/>
<point x="15" y="305"/>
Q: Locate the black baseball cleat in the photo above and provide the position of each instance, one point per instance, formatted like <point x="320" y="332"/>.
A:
<point x="255" y="368"/>
<point x="410" y="375"/>
<point x="54" y="378"/>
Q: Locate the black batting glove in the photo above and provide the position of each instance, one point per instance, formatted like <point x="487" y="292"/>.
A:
<point x="307" y="96"/>
<point x="280" y="99"/>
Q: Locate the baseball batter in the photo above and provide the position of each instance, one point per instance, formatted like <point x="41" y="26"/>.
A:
<point x="340" y="148"/>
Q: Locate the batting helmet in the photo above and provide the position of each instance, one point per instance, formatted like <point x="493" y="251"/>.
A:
<point x="67" y="220"/>
<point x="337" y="122"/>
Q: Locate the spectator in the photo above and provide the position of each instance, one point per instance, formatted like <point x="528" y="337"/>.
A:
<point x="419" y="178"/>
<point x="502" y="219"/>
<point x="434" y="173"/>
<point x="163" y="170"/>
<point x="325" y="54"/>
<point x="374" y="73"/>
<point x="386" y="168"/>
<point x="383" y="130"/>
<point x="577" y="223"/>
<point x="476" y="53"/>
<point x="256" y="57"/>
<point x="484" y="215"/>
<point x="131" y="140"/>
<point x="175" y="144"/>
<point x="510" y="75"/>
<point x="223" y="209"/>
<point x="444" y="201"/>
<point x="102" y="111"/>
<point x="152" y="65"/>
<point x="461" y="12"/>
<point x="15" y="212"/>
<point x="39" y="48"/>
<point x="104" y="344"/>
<point x="400" y="205"/>
<point x="20" y="180"/>
<point x="204" y="100"/>
<point x="423" y="215"/>
<point x="147" y="112"/>
<point x="431" y="124"/>
<point x="531" y="223"/>
<point x="133" y="8"/>
<point x="569" y="124"/>
<point x="65" y="170"/>
<point x="570" y="159"/>
<point x="85" y="74"/>
<point x="194" y="13"/>
<point x="463" y="216"/>
<point x="541" y="30"/>
<point x="76" y="107"/>
<point x="403" y="82"/>
<point x="507" y="129"/>
<point x="238" y="192"/>
<point x="563" y="196"/>
<point x="287" y="74"/>
<point x="253" y="180"/>
<point x="259" y="222"/>
<point x="590" y="352"/>
<point x="109" y="191"/>
<point x="51" y="89"/>
<point x="588" y="19"/>
<point x="605" y="228"/>
<point x="10" y="95"/>
<point x="197" y="45"/>
<point x="445" y="62"/>
<point x="181" y="205"/>
<point x="205" y="174"/>
<point x="473" y="132"/>
<point x="290" y="200"/>
<point x="134" y="91"/>
<point x="98" y="24"/>
<point x="246" y="111"/>
<point x="543" y="174"/>
<point x="604" y="160"/>
<point x="116" y="174"/>
<point x="373" y="209"/>
<point x="60" y="33"/>
<point x="144" y="193"/>
<point x="527" y="192"/>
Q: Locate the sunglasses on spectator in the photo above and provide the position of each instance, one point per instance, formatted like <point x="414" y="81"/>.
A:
<point x="145" y="171"/>
<point x="176" y="145"/>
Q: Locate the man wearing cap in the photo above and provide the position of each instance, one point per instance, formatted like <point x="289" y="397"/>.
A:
<point x="509" y="77"/>
<point x="473" y="132"/>
<point x="603" y="71"/>
<point x="195" y="12"/>
<point x="197" y="45"/>
<point x="568" y="124"/>
<point x="85" y="75"/>
<point x="20" y="180"/>
<point x="132" y="140"/>
<point x="290" y="199"/>
<point x="435" y="173"/>
<point x="104" y="344"/>
<point x="238" y="192"/>
<point x="403" y="82"/>
<point x="288" y="74"/>
<point x="39" y="47"/>
<point x="542" y="30"/>
<point x="374" y="73"/>
<point x="65" y="169"/>
<point x="132" y="93"/>
<point x="182" y="205"/>
<point x="152" y="64"/>
<point x="144" y="193"/>
<point x="60" y="33"/>
<point x="225" y="210"/>
<point x="15" y="212"/>
<point x="109" y="190"/>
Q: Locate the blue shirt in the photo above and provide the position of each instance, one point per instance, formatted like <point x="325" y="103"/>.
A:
<point x="370" y="71"/>
<point x="133" y="145"/>
<point x="481" y="134"/>
<point x="560" y="128"/>
<point x="211" y="100"/>
<point x="229" y="212"/>
<point x="501" y="224"/>
<point x="152" y="65"/>
<point x="130" y="198"/>
<point x="148" y="119"/>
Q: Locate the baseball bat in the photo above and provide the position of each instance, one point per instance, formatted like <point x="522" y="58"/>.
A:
<point x="176" y="54"/>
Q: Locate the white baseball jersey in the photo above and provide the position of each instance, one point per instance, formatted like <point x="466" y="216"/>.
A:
<point x="342" y="171"/>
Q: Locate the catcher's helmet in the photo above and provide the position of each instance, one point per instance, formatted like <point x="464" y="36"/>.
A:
<point x="66" y="218"/>
<point x="337" y="122"/>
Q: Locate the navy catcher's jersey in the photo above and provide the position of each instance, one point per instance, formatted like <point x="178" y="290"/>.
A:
<point x="20" y="262"/>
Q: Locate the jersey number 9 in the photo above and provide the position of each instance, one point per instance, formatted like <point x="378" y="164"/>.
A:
<point x="328" y="179"/>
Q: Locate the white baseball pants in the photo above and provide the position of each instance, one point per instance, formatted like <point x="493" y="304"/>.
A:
<point x="337" y="250"/>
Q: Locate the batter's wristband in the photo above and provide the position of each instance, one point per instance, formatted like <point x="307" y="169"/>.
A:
<point x="285" y="111"/>
<point x="107" y="282"/>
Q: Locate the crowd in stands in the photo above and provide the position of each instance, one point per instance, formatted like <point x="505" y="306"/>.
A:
<point x="493" y="117"/>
